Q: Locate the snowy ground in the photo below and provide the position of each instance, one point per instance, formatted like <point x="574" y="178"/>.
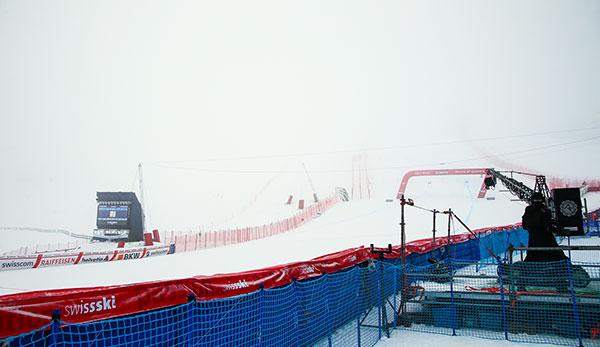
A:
<point x="349" y="224"/>
<point x="401" y="338"/>
<point x="21" y="242"/>
<point x="13" y="239"/>
<point x="346" y="225"/>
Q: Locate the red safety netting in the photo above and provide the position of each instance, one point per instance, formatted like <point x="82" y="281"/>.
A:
<point x="218" y="238"/>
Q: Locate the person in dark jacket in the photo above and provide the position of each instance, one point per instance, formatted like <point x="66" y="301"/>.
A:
<point x="537" y="221"/>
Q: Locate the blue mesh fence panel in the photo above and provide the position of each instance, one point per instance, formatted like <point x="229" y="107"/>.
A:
<point x="421" y="259"/>
<point x="39" y="337"/>
<point x="391" y="288"/>
<point x="369" y="286"/>
<point x="157" y="328"/>
<point x="592" y="228"/>
<point x="592" y="224"/>
<point x="486" y="242"/>
<point x="499" y="242"/>
<point x="556" y="303"/>
<point x="466" y="250"/>
<point x="416" y="312"/>
<point x="343" y="295"/>
<point x="313" y="311"/>
<point x="279" y="316"/>
<point x="369" y="325"/>
<point x="518" y="237"/>
<point x="228" y="322"/>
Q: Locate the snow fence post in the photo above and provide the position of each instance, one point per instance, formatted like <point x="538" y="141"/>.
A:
<point x="55" y="326"/>
<point x="478" y="244"/>
<point x="262" y="313"/>
<point x="574" y="301"/>
<point x="501" y="282"/>
<point x="379" y="308"/>
<point x="395" y="298"/>
<point x="358" y="301"/>
<point x="191" y="298"/>
<point x="384" y="319"/>
<point x="329" y="308"/>
<point x="452" y="304"/>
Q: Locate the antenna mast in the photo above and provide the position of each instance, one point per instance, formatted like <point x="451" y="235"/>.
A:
<point x="141" y="186"/>
<point x="312" y="186"/>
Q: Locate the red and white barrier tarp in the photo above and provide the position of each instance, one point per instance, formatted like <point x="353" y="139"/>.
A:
<point x="47" y="260"/>
<point x="217" y="238"/>
<point x="17" y="263"/>
<point x="24" y="312"/>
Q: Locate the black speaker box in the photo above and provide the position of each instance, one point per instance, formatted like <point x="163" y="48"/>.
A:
<point x="569" y="215"/>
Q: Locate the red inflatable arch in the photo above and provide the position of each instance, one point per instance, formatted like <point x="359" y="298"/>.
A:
<point x="448" y="172"/>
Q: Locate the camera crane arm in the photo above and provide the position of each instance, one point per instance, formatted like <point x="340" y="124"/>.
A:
<point x="516" y="187"/>
<point x="522" y="191"/>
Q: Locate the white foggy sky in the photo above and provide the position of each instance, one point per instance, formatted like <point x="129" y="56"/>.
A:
<point x="90" y="88"/>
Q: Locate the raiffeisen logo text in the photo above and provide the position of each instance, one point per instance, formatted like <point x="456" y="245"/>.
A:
<point x="90" y="307"/>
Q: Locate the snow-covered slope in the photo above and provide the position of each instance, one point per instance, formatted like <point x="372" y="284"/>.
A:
<point x="401" y="338"/>
<point x="15" y="238"/>
<point x="346" y="225"/>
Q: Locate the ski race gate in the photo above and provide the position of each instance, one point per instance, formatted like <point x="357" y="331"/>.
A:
<point x="349" y="298"/>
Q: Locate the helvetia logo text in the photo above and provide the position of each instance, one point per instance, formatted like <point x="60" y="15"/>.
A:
<point x="94" y="259"/>
<point x="91" y="306"/>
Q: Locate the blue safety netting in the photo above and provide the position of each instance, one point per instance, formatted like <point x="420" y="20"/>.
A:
<point x="460" y="289"/>
<point x="322" y="311"/>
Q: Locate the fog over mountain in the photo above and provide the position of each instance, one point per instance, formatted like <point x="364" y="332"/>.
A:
<point x="218" y="99"/>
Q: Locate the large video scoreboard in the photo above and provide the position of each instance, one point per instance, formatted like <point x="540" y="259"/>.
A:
<point x="113" y="216"/>
<point x="119" y="217"/>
